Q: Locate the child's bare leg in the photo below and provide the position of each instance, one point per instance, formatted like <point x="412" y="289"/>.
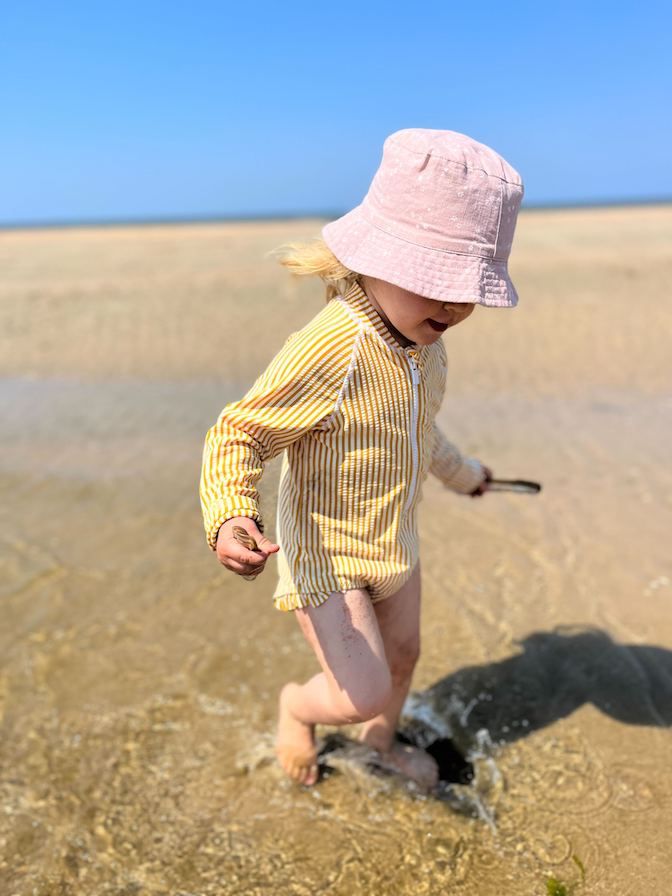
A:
<point x="354" y="684"/>
<point x="399" y="621"/>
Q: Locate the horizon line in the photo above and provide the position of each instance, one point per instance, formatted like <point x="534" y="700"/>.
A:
<point x="58" y="223"/>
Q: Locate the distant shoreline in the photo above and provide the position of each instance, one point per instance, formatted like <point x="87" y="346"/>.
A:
<point x="293" y="216"/>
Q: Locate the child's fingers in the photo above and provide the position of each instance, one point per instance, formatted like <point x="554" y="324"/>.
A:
<point x="242" y="555"/>
<point x="236" y="553"/>
<point x="244" y="569"/>
<point x="243" y="551"/>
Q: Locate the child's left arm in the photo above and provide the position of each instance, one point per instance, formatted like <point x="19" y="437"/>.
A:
<point x="467" y="476"/>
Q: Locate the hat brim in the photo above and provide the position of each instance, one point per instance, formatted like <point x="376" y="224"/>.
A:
<point x="433" y="273"/>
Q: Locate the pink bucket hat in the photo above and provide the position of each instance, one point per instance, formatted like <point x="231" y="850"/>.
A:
<point x="438" y="219"/>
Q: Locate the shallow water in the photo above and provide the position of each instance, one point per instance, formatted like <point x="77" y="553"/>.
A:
<point x="138" y="678"/>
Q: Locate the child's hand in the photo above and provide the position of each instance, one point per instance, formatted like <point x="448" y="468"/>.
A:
<point x="483" y="487"/>
<point x="238" y="558"/>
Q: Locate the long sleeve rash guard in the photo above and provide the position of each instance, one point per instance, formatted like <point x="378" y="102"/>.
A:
<point x="354" y="413"/>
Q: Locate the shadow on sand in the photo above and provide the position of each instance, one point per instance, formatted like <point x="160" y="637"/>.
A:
<point x="555" y="673"/>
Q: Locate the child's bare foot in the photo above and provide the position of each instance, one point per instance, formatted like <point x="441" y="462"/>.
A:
<point x="413" y="763"/>
<point x="295" y="744"/>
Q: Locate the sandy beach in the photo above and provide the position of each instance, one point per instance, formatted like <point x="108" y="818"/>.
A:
<point x="139" y="678"/>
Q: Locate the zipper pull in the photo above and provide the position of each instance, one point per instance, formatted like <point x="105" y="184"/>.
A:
<point x="415" y="373"/>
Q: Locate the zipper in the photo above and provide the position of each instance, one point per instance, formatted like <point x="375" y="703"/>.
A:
<point x="415" y="379"/>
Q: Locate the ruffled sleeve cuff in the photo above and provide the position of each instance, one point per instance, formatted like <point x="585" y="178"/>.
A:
<point x="224" y="512"/>
<point x="467" y="477"/>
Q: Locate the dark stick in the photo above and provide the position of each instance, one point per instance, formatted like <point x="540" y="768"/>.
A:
<point x="513" y="485"/>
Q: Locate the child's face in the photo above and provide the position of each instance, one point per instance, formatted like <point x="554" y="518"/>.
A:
<point x="418" y="319"/>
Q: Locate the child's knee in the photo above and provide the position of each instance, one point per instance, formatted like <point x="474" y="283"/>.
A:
<point x="367" y="700"/>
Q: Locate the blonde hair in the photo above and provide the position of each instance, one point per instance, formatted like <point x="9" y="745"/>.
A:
<point x="315" y="258"/>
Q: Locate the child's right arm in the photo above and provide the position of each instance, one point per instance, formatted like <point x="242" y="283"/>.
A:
<point x="298" y="389"/>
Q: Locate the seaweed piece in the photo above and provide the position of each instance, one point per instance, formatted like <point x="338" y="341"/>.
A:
<point x="580" y="865"/>
<point x="554" y="887"/>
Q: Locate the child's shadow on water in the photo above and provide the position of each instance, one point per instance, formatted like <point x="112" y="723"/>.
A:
<point x="556" y="673"/>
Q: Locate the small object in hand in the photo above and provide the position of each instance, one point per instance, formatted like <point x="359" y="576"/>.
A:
<point x="524" y="486"/>
<point x="244" y="538"/>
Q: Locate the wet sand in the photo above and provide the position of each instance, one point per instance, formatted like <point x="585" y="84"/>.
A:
<point x="138" y="678"/>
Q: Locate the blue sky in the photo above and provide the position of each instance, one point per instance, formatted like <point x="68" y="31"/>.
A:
<point x="147" y="110"/>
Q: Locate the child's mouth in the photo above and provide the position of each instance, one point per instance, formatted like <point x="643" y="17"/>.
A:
<point x="435" y="325"/>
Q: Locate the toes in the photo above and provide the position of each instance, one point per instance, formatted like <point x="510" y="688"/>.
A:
<point x="432" y="777"/>
<point x="306" y="774"/>
<point x="298" y="769"/>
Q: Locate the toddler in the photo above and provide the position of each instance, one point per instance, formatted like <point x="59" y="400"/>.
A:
<point x="351" y="398"/>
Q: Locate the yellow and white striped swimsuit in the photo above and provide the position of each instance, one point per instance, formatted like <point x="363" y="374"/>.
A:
<point x="354" y="412"/>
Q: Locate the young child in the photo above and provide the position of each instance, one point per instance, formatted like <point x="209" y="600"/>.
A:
<point x="351" y="398"/>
